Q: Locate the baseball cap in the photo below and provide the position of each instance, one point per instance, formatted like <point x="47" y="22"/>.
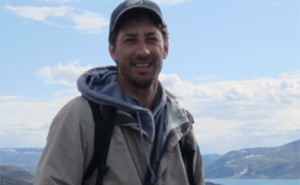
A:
<point x="131" y="5"/>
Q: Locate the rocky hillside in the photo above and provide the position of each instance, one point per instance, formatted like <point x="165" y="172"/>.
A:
<point x="276" y="162"/>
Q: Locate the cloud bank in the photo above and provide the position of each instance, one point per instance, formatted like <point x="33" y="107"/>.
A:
<point x="75" y="18"/>
<point x="258" y="112"/>
<point x="228" y="114"/>
<point x="62" y="74"/>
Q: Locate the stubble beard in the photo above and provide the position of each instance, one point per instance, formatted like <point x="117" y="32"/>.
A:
<point x="141" y="84"/>
<point x="138" y="81"/>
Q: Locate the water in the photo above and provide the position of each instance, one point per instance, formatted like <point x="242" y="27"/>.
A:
<point x="255" y="181"/>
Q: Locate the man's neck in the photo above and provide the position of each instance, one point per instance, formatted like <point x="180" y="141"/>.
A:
<point x="145" y="97"/>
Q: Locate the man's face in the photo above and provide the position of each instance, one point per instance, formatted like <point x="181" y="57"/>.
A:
<point x="139" y="52"/>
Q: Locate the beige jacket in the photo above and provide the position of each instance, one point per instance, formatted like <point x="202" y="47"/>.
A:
<point x="70" y="148"/>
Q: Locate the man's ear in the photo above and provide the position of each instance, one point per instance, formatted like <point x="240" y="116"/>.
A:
<point x="112" y="52"/>
<point x="166" y="49"/>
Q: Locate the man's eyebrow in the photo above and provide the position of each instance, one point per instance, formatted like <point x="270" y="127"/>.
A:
<point x="130" y="35"/>
<point x="150" y="34"/>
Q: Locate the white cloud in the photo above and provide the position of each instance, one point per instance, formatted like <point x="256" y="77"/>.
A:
<point x="62" y="74"/>
<point x="39" y="13"/>
<point x="88" y="21"/>
<point x="79" y="19"/>
<point x="282" y="90"/>
<point x="25" y="121"/>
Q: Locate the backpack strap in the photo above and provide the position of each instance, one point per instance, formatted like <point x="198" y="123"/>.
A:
<point x="104" y="122"/>
<point x="188" y="153"/>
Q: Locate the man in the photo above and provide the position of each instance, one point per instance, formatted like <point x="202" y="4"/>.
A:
<point x="150" y="129"/>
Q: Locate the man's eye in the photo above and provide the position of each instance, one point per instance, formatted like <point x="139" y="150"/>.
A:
<point x="152" y="39"/>
<point x="129" y="40"/>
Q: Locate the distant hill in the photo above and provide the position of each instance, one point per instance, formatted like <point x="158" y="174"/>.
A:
<point x="13" y="175"/>
<point x="26" y="158"/>
<point x="209" y="158"/>
<point x="272" y="162"/>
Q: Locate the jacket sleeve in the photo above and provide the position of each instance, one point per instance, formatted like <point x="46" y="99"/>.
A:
<point x="63" y="159"/>
<point x="198" y="169"/>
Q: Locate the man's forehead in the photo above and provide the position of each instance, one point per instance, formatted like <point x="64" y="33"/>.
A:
<point x="136" y="31"/>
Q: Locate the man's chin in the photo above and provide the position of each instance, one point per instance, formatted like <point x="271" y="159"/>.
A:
<point x="142" y="84"/>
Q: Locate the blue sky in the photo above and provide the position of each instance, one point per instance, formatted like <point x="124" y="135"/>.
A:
<point x="235" y="64"/>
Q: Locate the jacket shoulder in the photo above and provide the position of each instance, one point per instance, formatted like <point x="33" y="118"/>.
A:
<point x="76" y="104"/>
<point x="77" y="108"/>
<point x="176" y="110"/>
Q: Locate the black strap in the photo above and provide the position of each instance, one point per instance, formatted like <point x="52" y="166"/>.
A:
<point x="188" y="153"/>
<point x="104" y="122"/>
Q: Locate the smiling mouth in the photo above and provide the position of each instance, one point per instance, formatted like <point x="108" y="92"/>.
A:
<point x="144" y="65"/>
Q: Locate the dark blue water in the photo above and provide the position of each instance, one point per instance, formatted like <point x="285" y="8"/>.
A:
<point x="255" y="181"/>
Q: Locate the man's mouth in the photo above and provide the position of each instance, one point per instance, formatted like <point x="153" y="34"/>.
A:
<point x="142" y="65"/>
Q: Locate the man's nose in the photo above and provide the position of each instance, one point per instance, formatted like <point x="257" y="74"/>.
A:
<point x="142" y="49"/>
